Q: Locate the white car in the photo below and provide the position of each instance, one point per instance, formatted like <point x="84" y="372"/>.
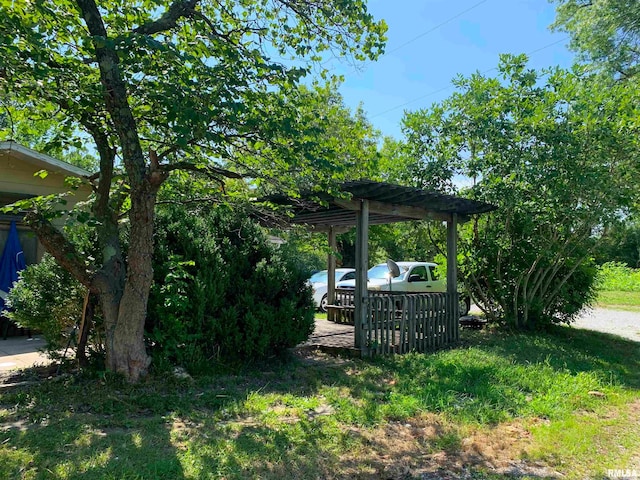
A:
<point x="413" y="277"/>
<point x="318" y="282"/>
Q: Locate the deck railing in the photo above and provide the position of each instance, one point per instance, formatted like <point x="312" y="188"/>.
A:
<point x="343" y="308"/>
<point x="405" y="322"/>
<point x="402" y="322"/>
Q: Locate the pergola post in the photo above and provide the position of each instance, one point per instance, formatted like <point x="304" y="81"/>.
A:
<point x="331" y="272"/>
<point x="453" y="328"/>
<point x="362" y="265"/>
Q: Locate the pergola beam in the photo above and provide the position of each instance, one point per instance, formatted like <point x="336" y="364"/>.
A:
<point x="338" y="229"/>
<point x="404" y="212"/>
<point x="322" y="224"/>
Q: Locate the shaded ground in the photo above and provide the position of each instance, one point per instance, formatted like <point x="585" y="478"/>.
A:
<point x="560" y="405"/>
<point x="331" y="334"/>
<point x="318" y="416"/>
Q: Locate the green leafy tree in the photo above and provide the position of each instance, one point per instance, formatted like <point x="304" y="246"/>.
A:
<point x="40" y="130"/>
<point x="417" y="240"/>
<point x="621" y="243"/>
<point x="165" y="85"/>
<point x="603" y="31"/>
<point x="557" y="152"/>
<point x="341" y="143"/>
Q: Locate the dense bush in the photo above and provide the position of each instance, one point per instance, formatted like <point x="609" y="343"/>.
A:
<point x="575" y="295"/>
<point x="48" y="299"/>
<point x="618" y="277"/>
<point x="221" y="291"/>
<point x="530" y="280"/>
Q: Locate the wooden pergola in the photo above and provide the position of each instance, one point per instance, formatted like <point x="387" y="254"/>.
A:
<point x="373" y="203"/>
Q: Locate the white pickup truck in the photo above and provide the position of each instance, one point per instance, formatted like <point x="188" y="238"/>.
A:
<point x="413" y="277"/>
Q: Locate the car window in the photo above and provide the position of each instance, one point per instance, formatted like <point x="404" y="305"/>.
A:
<point x="319" y="277"/>
<point x="349" y="276"/>
<point x="421" y="271"/>
<point x="433" y="272"/>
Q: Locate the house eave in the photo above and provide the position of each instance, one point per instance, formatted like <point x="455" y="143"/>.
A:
<point x="40" y="160"/>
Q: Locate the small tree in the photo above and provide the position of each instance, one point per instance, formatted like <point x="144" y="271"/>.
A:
<point x="48" y="299"/>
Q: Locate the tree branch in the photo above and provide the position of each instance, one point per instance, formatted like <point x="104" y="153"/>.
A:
<point x="210" y="170"/>
<point x="57" y="245"/>
<point x="179" y="9"/>
<point x="115" y="93"/>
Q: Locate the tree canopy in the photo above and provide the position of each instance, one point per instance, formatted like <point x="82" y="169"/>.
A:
<point x="158" y="85"/>
<point x="606" y="32"/>
<point x="558" y="152"/>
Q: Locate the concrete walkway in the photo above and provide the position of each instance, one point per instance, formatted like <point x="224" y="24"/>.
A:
<point x="21" y="352"/>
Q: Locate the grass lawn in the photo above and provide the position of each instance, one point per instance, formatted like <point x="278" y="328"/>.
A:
<point x="619" y="300"/>
<point x="566" y="402"/>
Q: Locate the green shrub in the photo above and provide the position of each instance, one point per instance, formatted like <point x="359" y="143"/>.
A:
<point x="579" y="292"/>
<point x="618" y="277"/>
<point x="221" y="291"/>
<point x="522" y="279"/>
<point x="48" y="299"/>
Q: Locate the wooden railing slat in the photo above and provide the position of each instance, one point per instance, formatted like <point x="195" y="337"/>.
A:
<point x="403" y="322"/>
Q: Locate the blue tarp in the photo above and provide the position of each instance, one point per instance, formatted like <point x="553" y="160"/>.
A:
<point x="11" y="262"/>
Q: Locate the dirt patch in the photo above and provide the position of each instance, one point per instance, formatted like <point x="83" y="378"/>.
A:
<point x="634" y="419"/>
<point x="21" y="425"/>
<point x="430" y="448"/>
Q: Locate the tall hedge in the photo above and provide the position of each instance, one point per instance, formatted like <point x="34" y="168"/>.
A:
<point x="221" y="291"/>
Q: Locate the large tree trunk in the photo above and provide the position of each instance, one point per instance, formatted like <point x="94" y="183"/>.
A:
<point x="125" y="310"/>
<point x="125" y="302"/>
<point x="126" y="353"/>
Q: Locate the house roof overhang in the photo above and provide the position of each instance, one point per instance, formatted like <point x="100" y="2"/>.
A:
<point x="40" y="160"/>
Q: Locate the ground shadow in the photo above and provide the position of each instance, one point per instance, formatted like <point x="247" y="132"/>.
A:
<point x="66" y="429"/>
<point x="576" y="350"/>
<point x="91" y="427"/>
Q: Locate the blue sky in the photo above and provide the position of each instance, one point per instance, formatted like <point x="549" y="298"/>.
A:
<point x="418" y="71"/>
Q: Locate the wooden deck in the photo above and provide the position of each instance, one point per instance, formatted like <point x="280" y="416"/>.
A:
<point x="394" y="323"/>
<point x="336" y="338"/>
<point x="333" y="338"/>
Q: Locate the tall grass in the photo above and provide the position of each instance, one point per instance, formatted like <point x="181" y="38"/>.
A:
<point x="618" y="277"/>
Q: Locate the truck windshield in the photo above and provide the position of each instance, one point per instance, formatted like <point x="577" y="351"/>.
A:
<point x="382" y="272"/>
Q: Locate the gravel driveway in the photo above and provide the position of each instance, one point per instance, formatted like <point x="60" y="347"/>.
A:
<point x="617" y="322"/>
